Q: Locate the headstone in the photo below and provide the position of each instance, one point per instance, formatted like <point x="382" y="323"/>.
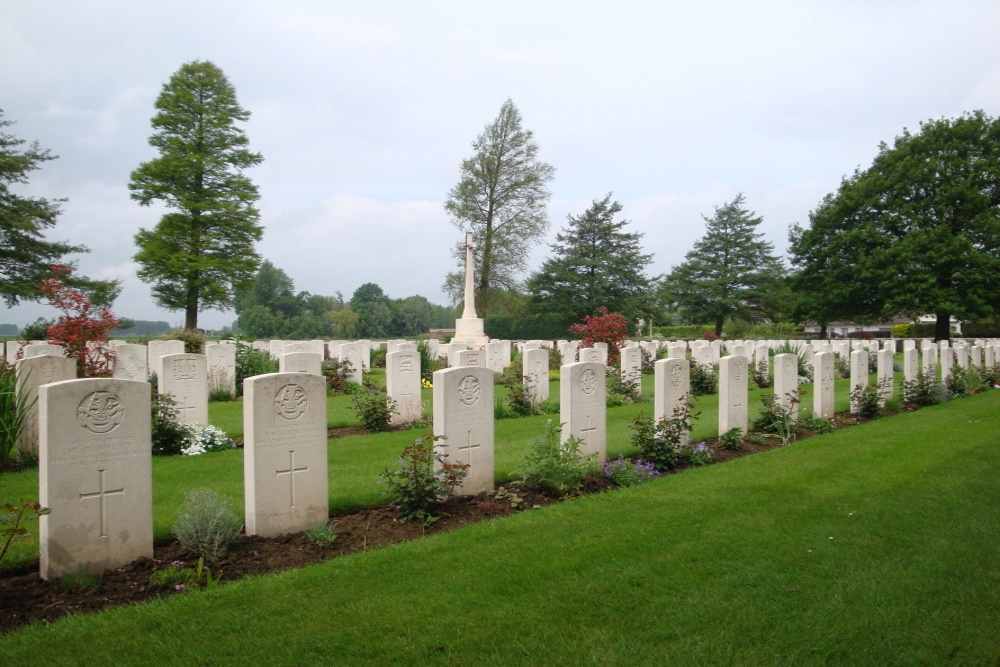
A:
<point x="535" y="374"/>
<point x="602" y="348"/>
<point x="366" y="355"/>
<point x="463" y="416"/>
<point x="221" y="367"/>
<point x="351" y="352"/>
<point x="471" y="358"/>
<point x="910" y="364"/>
<point x="976" y="356"/>
<point x="15" y="350"/>
<point x="43" y="350"/>
<point x="762" y="359"/>
<point x="314" y="346"/>
<point x="402" y="384"/>
<point x="494" y="356"/>
<point x="786" y="382"/>
<point x="885" y="375"/>
<point x="32" y="373"/>
<point x="276" y="348"/>
<point x="185" y="378"/>
<point x="961" y="353"/>
<point x="285" y="453"/>
<point x="300" y="362"/>
<point x="734" y="384"/>
<point x="631" y="365"/>
<point x="823" y="398"/>
<point x="131" y="362"/>
<point x="671" y="386"/>
<point x="675" y="351"/>
<point x="568" y="352"/>
<point x="583" y="406"/>
<point x="859" y="376"/>
<point x="947" y="362"/>
<point x="261" y="345"/>
<point x="989" y="356"/>
<point x="95" y="475"/>
<point x="909" y="344"/>
<point x="157" y="349"/>
<point x="716" y="346"/>
<point x="702" y="354"/>
<point x="930" y="361"/>
<point x="590" y="355"/>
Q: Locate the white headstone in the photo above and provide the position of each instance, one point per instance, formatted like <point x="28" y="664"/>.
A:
<point x="961" y="356"/>
<point x="33" y="372"/>
<point x="301" y="362"/>
<point x="568" y="352"/>
<point x="221" y="367"/>
<point x="494" y="356"/>
<point x="472" y="358"/>
<point x="463" y="416"/>
<point x="157" y="349"/>
<point x="885" y="375"/>
<point x="590" y="355"/>
<point x="43" y="350"/>
<point x="859" y="375"/>
<point x="976" y="356"/>
<point x="786" y="382"/>
<point x="671" y="385"/>
<point x="930" y="361"/>
<point x="131" y="362"/>
<point x="823" y="398"/>
<point x="185" y="378"/>
<point x="583" y="406"/>
<point x="535" y="374"/>
<point x="631" y="365"/>
<point x="285" y="453"/>
<point x="95" y="475"/>
<point x="910" y="364"/>
<point x="947" y="362"/>
<point x="402" y="384"/>
<point x="276" y="348"/>
<point x="602" y="348"/>
<point x="734" y="384"/>
<point x="351" y="352"/>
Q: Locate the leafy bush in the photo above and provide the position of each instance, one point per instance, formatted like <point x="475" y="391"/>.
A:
<point x="924" y="390"/>
<point x="206" y="524"/>
<point x="900" y="330"/>
<point x="761" y="376"/>
<point x="375" y="410"/>
<point x="775" y="418"/>
<point x="619" y="391"/>
<point x="415" y="487"/>
<point x="704" y="380"/>
<point x="251" y="362"/>
<point x="12" y="520"/>
<point x="13" y="411"/>
<point x="323" y="535"/>
<point x="662" y="444"/>
<point x="554" y="465"/>
<point x="696" y="454"/>
<point x="338" y="374"/>
<point x="428" y="364"/>
<point x="82" y="330"/>
<point x="168" y="433"/>
<point x="841" y="366"/>
<point x="200" y="439"/>
<point x="194" y="341"/>
<point x="964" y="382"/>
<point x="605" y="327"/>
<point x="378" y="357"/>
<point x="731" y="439"/>
<point x="518" y="394"/>
<point x="626" y="472"/>
<point x="816" y="424"/>
<point x="866" y="400"/>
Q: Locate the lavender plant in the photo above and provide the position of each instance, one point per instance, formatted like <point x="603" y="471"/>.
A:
<point x="626" y="472"/>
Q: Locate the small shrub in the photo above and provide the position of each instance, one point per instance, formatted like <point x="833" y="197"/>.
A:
<point x="696" y="454"/>
<point x="518" y="391"/>
<point x="415" y="487"/>
<point x="378" y="357"/>
<point x="251" y="362"/>
<point x="13" y="519"/>
<point x="817" y="425"/>
<point x="924" y="390"/>
<point x="206" y="524"/>
<point x="866" y="400"/>
<point x="626" y="472"/>
<point x="900" y="330"/>
<point x="14" y="410"/>
<point x="775" y="418"/>
<point x="662" y="443"/>
<point x="619" y="391"/>
<point x="963" y="382"/>
<point x="338" y="378"/>
<point x="428" y="363"/>
<point x="375" y="410"/>
<point x="761" y="376"/>
<point x="323" y="535"/>
<point x="731" y="439"/>
<point x="168" y="433"/>
<point x="176" y="575"/>
<point x="194" y="341"/>
<point x="554" y="465"/>
<point x="841" y="367"/>
<point x="200" y="439"/>
<point x="703" y="379"/>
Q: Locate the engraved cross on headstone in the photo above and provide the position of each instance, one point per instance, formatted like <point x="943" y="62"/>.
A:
<point x="469" y="447"/>
<point x="183" y="407"/>
<point x="291" y="475"/>
<point x="586" y="433"/>
<point x="101" y="495"/>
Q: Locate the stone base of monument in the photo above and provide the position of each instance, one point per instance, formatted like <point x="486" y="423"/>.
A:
<point x="471" y="329"/>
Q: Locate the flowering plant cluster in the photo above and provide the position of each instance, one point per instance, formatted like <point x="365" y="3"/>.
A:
<point x="199" y="439"/>
<point x="626" y="472"/>
<point x="427" y="384"/>
<point x="605" y="327"/>
<point x="82" y="330"/>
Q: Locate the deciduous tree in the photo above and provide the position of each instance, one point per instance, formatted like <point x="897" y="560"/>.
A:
<point x="501" y="198"/>
<point x="727" y="271"/>
<point x="917" y="232"/>
<point x="594" y="263"/>
<point x="203" y="249"/>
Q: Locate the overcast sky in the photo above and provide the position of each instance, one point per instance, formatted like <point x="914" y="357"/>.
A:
<point x="363" y="112"/>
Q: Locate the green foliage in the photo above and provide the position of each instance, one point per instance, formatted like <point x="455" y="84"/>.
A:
<point x="664" y="444"/>
<point x="731" y="439"/>
<point x="761" y="375"/>
<point x="337" y="374"/>
<point x="168" y="433"/>
<point x="554" y="465"/>
<point x="924" y="390"/>
<point x="728" y="270"/>
<point x="518" y="394"/>
<point x="203" y="248"/>
<point x="37" y="330"/>
<point x="900" y="330"/>
<point x="251" y="362"/>
<point x="816" y="424"/>
<point x="323" y="535"/>
<point x="775" y="418"/>
<point x="526" y="326"/>
<point x="175" y="576"/>
<point x="206" y="524"/>
<point x="681" y="331"/>
<point x="14" y="409"/>
<point x="26" y="254"/>
<point x="594" y="263"/>
<point x="415" y="486"/>
<point x="501" y="198"/>
<point x="619" y="391"/>
<point x="194" y="341"/>
<point x="962" y="382"/>
<point x="375" y="409"/>
<point x="12" y="520"/>
<point x="704" y="379"/>
<point x="866" y="400"/>
<point x="626" y="472"/>
<point x="378" y="357"/>
<point x="917" y="232"/>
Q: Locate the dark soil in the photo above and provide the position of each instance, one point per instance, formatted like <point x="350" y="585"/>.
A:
<point x="25" y="597"/>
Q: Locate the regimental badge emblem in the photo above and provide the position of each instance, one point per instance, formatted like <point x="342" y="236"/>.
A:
<point x="290" y="401"/>
<point x="588" y="381"/>
<point x="738" y="370"/>
<point x="185" y="369"/>
<point x="469" y="390"/>
<point x="406" y="363"/>
<point x="100" y="412"/>
<point x="675" y="376"/>
<point x="132" y="370"/>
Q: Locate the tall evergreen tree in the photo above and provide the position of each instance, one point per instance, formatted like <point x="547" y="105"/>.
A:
<point x="25" y="254"/>
<point x="501" y="198"/>
<point x="728" y="270"/>
<point x="594" y="263"/>
<point x="201" y="251"/>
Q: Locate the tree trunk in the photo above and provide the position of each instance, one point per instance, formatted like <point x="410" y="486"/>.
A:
<point x="824" y="332"/>
<point x="942" y="329"/>
<point x="191" y="317"/>
<point x="718" y="325"/>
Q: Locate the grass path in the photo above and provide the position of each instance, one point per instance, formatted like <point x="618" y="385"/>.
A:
<point x="725" y="564"/>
